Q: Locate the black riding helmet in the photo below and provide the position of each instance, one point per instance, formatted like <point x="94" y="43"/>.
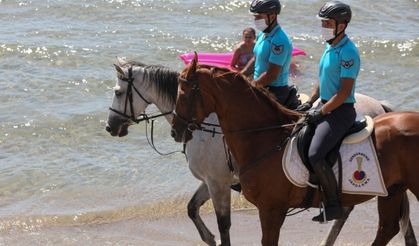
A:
<point x="337" y="11"/>
<point x="265" y="7"/>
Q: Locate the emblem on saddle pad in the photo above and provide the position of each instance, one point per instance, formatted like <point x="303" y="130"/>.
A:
<point x="359" y="177"/>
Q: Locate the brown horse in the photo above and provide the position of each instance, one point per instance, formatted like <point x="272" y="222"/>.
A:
<point x="247" y="115"/>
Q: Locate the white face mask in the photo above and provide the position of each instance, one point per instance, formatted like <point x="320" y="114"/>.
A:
<point x="327" y="33"/>
<point x="261" y="25"/>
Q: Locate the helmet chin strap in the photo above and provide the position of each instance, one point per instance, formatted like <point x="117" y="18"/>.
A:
<point x="268" y="29"/>
<point x="330" y="41"/>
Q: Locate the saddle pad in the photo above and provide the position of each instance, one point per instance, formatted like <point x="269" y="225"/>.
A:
<point x="360" y="135"/>
<point x="361" y="173"/>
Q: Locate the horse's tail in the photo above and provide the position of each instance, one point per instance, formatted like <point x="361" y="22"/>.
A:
<point x="404" y="214"/>
<point x="387" y="106"/>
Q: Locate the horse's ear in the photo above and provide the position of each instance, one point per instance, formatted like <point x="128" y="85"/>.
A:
<point x="192" y="65"/>
<point x="119" y="69"/>
<point x="195" y="59"/>
<point x="120" y="61"/>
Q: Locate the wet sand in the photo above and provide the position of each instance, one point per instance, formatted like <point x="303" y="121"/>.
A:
<point x="179" y="230"/>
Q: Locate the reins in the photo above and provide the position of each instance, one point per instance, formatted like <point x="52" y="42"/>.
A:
<point x="146" y="118"/>
<point x="298" y="126"/>
<point x="150" y="139"/>
<point x="256" y="162"/>
<point x="251" y="130"/>
<point x="192" y="124"/>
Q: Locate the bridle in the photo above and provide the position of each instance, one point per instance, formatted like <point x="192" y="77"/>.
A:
<point x="143" y="116"/>
<point x="192" y="124"/>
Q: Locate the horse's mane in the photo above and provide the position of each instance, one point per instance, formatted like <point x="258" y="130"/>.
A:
<point x="165" y="79"/>
<point x="262" y="93"/>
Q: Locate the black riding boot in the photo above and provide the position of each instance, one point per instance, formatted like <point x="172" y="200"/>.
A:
<point x="328" y="182"/>
<point x="292" y="101"/>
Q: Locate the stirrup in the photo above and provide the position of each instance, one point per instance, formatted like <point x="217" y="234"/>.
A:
<point x="313" y="181"/>
<point x="322" y="213"/>
<point x="334" y="213"/>
<point x="322" y="209"/>
<point x="312" y="185"/>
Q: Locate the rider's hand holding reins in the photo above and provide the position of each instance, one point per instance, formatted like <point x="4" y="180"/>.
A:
<point x="314" y="116"/>
<point x="304" y="107"/>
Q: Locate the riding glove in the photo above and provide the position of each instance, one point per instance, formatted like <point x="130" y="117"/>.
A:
<point x="304" y="107"/>
<point x="314" y="116"/>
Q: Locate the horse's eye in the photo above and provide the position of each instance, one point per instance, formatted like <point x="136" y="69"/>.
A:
<point x="118" y="93"/>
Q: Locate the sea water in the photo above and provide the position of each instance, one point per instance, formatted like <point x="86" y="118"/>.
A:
<point x="58" y="166"/>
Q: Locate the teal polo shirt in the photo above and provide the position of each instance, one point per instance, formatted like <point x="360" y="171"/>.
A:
<point x="339" y="61"/>
<point x="274" y="47"/>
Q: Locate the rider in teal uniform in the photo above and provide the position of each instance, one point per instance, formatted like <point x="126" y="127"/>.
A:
<point x="339" y="68"/>
<point x="273" y="53"/>
<point x="338" y="61"/>
<point x="276" y="48"/>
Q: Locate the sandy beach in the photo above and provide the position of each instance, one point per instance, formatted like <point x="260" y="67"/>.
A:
<point x="179" y="230"/>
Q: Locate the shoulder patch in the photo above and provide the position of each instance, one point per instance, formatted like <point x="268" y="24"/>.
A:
<point x="277" y="49"/>
<point x="347" y="64"/>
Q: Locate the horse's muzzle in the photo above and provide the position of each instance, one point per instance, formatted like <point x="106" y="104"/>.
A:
<point x="176" y="136"/>
<point x="181" y="136"/>
<point x="173" y="133"/>
<point x="120" y="130"/>
<point x="108" y="128"/>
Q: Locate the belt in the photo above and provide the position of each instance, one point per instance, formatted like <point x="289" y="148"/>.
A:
<point x="276" y="87"/>
<point x="325" y="101"/>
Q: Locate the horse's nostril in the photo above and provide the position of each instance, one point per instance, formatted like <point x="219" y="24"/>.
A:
<point x="173" y="133"/>
<point x="108" y="128"/>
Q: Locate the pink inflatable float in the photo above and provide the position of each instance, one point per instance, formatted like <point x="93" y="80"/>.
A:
<point x="222" y="59"/>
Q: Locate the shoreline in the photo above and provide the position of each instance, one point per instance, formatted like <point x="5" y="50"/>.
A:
<point x="179" y="230"/>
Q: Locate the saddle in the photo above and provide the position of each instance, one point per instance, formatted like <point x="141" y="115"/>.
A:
<point x="291" y="101"/>
<point x="360" y="130"/>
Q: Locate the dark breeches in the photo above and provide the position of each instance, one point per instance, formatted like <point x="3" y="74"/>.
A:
<point x="330" y="130"/>
<point x="281" y="93"/>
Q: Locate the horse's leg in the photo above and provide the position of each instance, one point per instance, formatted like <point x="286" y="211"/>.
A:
<point x="388" y="225"/>
<point x="409" y="236"/>
<point x="271" y="220"/>
<point x="336" y="228"/>
<point x="199" y="198"/>
<point x="221" y="198"/>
